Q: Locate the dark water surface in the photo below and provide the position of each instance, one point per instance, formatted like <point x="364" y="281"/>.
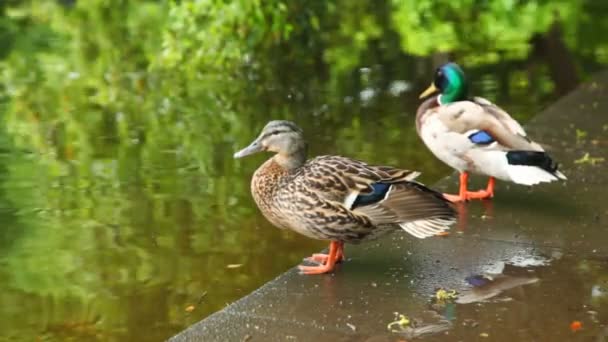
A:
<point x="135" y="223"/>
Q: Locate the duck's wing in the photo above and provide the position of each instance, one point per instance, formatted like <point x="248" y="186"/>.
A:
<point x="496" y="141"/>
<point x="384" y="195"/>
<point x="506" y="121"/>
<point x="342" y="179"/>
<point x="502" y="116"/>
<point x="485" y="123"/>
<point x="417" y="209"/>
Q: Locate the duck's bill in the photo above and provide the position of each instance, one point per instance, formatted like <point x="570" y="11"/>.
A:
<point x="254" y="147"/>
<point x="430" y="90"/>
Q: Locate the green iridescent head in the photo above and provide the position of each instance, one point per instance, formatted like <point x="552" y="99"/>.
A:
<point x="450" y="82"/>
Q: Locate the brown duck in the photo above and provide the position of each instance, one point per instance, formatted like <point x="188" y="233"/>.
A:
<point x="338" y="199"/>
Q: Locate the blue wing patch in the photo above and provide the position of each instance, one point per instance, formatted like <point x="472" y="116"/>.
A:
<point x="477" y="280"/>
<point x="481" y="138"/>
<point x="377" y="195"/>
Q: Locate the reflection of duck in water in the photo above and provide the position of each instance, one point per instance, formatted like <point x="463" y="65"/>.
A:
<point x="595" y="272"/>
<point x="338" y="199"/>
<point x="445" y="307"/>
<point x="486" y="286"/>
<point x="494" y="278"/>
<point x="474" y="135"/>
<point x="414" y="328"/>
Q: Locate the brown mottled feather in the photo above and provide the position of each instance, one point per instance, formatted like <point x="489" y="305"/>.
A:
<point x="408" y="201"/>
<point x="310" y="199"/>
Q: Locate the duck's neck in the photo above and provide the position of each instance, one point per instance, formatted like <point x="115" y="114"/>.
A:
<point x="423" y="109"/>
<point x="454" y="92"/>
<point x="292" y="160"/>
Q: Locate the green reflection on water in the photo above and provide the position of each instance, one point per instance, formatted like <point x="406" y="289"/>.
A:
<point x="121" y="204"/>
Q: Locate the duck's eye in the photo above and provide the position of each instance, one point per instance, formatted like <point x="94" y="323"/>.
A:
<point x="275" y="132"/>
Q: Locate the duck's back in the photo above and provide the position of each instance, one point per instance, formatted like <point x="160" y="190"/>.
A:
<point x="318" y="198"/>
<point x="309" y="199"/>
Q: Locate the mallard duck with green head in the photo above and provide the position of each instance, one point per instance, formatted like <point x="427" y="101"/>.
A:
<point x="472" y="135"/>
<point x="338" y="199"/>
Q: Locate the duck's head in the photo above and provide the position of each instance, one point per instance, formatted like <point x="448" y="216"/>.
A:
<point x="449" y="82"/>
<point x="282" y="137"/>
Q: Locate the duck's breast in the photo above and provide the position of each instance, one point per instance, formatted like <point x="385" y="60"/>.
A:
<point x="449" y="146"/>
<point x="265" y="186"/>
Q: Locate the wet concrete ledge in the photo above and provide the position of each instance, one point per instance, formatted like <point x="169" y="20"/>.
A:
<point x="547" y="248"/>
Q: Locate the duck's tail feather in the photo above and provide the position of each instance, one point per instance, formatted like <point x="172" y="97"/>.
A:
<point x="415" y="208"/>
<point x="427" y="227"/>
<point x="532" y="167"/>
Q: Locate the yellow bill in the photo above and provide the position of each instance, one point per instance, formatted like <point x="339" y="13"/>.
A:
<point x="431" y="89"/>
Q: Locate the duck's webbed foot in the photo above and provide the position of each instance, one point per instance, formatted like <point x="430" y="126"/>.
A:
<point x="325" y="262"/>
<point x="465" y="195"/>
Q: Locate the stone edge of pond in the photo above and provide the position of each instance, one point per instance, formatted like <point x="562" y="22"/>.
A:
<point x="233" y="322"/>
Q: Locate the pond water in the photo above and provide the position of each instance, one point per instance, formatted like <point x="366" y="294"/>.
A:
<point x="124" y="216"/>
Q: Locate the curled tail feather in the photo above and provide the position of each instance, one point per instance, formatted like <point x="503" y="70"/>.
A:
<point x="532" y="167"/>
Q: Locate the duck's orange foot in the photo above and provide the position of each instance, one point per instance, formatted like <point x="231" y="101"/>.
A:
<point x="465" y="195"/>
<point x="320" y="269"/>
<point x="454" y="198"/>
<point x="317" y="258"/>
<point x="469" y="195"/>
<point x="321" y="258"/>
<point x="326" y="262"/>
<point x="481" y="194"/>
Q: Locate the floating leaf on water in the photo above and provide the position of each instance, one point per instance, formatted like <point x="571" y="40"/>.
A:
<point x="576" y="326"/>
<point x="190" y="308"/>
<point x="200" y="299"/>
<point x="443" y="295"/>
<point x="484" y="335"/>
<point x="414" y="329"/>
<point x="580" y="134"/>
<point x="234" y="265"/>
<point x="587" y="159"/>
<point x="401" y="323"/>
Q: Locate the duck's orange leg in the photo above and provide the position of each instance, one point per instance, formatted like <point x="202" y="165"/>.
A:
<point x="483" y="194"/>
<point x="462" y="192"/>
<point x="465" y="195"/>
<point x="321" y="258"/>
<point x="329" y="263"/>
